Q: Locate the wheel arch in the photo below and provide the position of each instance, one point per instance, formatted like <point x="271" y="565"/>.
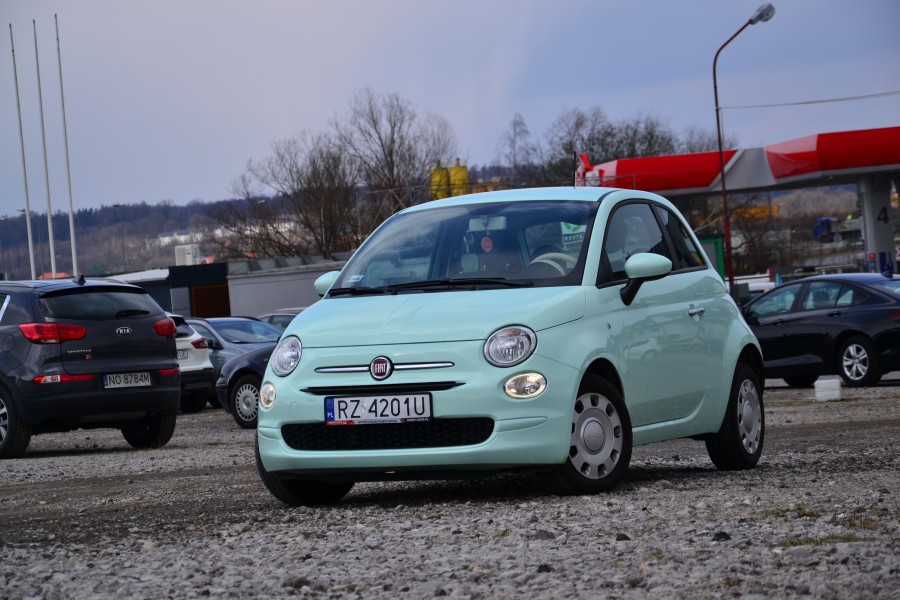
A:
<point x="602" y="367"/>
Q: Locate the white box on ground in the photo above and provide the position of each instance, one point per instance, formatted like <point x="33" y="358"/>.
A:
<point x="828" y="389"/>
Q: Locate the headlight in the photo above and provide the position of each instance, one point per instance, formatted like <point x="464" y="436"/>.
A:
<point x="525" y="386"/>
<point x="286" y="356"/>
<point x="510" y="346"/>
<point x="267" y="395"/>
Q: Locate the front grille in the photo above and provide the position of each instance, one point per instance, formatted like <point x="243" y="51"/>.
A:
<point x="388" y="436"/>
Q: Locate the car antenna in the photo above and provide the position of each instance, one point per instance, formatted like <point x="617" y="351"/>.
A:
<point x="80" y="280"/>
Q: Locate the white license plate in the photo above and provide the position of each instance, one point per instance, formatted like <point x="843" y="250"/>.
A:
<point x="118" y="380"/>
<point x="182" y="354"/>
<point x="366" y="410"/>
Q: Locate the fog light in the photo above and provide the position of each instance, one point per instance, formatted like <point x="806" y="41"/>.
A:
<point x="267" y="395"/>
<point x="525" y="385"/>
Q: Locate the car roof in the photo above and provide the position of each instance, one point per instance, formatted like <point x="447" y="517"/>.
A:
<point x="850" y="277"/>
<point x="581" y="194"/>
<point x="60" y="284"/>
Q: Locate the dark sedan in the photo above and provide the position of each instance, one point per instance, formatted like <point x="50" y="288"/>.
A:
<point x="238" y="385"/>
<point x="846" y="324"/>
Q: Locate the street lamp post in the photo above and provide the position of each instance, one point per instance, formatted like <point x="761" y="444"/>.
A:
<point x="762" y="14"/>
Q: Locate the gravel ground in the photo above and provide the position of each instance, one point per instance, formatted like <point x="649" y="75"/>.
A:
<point x="86" y="517"/>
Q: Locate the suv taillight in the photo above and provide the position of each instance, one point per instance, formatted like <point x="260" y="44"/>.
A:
<point x="51" y="333"/>
<point x="200" y="344"/>
<point x="165" y="327"/>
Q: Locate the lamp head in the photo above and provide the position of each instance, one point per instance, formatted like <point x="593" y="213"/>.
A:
<point x="763" y="13"/>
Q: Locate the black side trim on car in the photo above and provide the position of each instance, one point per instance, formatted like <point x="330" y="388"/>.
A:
<point x="389" y="436"/>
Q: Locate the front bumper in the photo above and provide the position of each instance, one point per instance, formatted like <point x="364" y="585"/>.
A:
<point x="520" y="433"/>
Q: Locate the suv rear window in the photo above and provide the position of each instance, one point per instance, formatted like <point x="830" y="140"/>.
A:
<point x="98" y="305"/>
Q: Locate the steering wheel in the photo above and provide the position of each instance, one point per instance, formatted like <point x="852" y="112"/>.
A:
<point x="557" y="260"/>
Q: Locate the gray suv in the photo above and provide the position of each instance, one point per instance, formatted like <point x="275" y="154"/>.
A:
<point x="85" y="354"/>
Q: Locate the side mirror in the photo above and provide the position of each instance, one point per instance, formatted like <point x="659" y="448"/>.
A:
<point x="642" y="267"/>
<point x="213" y="344"/>
<point x="325" y="281"/>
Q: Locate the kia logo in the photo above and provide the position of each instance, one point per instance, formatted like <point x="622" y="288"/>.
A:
<point x="124" y="330"/>
<point x="381" y="368"/>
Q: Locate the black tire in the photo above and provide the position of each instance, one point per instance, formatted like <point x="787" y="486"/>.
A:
<point x="154" y="432"/>
<point x="857" y="362"/>
<point x="301" y="492"/>
<point x="739" y="442"/>
<point x="600" y="441"/>
<point x="193" y="402"/>
<point x="801" y="381"/>
<point x="243" y="401"/>
<point x="14" y="435"/>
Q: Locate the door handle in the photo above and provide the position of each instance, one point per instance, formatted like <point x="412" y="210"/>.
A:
<point x="696" y="311"/>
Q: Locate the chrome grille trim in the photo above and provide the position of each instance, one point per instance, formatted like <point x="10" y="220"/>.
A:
<point x="397" y="367"/>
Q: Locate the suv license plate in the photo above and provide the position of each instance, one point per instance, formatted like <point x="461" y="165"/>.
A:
<point x="118" y="380"/>
<point x="182" y="355"/>
<point x="367" y="410"/>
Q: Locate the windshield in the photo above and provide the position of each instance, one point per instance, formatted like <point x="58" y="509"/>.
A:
<point x="246" y="331"/>
<point x="477" y="246"/>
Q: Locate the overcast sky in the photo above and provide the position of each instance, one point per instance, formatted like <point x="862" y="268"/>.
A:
<point x="169" y="99"/>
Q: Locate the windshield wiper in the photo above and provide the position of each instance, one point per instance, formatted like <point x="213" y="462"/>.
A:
<point x="131" y="312"/>
<point x="463" y="282"/>
<point x="356" y="291"/>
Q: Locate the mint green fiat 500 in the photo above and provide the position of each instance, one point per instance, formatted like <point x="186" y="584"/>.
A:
<point x="551" y="329"/>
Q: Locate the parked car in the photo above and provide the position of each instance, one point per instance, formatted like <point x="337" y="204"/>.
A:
<point x="238" y="385"/>
<point x="192" y="352"/>
<point x="547" y="329"/>
<point x="282" y="317"/>
<point x="85" y="354"/>
<point x="845" y="324"/>
<point x="228" y="337"/>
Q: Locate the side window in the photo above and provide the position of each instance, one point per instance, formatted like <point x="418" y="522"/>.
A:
<point x="849" y="296"/>
<point x="821" y="294"/>
<point x="687" y="256"/>
<point x="632" y="229"/>
<point x="778" y="302"/>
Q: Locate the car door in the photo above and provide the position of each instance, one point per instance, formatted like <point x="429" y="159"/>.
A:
<point x="667" y="358"/>
<point x="769" y="316"/>
<point x="809" y="335"/>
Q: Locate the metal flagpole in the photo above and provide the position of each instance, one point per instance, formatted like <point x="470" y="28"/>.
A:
<point x="22" y="145"/>
<point x="37" y="63"/>
<point x="62" y="99"/>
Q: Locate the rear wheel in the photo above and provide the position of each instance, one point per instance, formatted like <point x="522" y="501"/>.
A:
<point x="857" y="363"/>
<point x="301" y="492"/>
<point x="14" y="435"/>
<point x="154" y="432"/>
<point x="600" y="440"/>
<point x="738" y="443"/>
<point x="801" y="381"/>
<point x="244" y="401"/>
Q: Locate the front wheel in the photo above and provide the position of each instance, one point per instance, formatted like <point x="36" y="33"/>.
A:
<point x="600" y="440"/>
<point x="738" y="443"/>
<point x="154" y="432"/>
<point x="301" y="492"/>
<point x="244" y="401"/>
<point x="857" y="363"/>
<point x="14" y="435"/>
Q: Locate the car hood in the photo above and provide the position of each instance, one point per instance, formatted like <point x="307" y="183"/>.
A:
<point x="433" y="317"/>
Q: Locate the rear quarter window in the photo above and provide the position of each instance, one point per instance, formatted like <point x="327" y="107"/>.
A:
<point x="96" y="305"/>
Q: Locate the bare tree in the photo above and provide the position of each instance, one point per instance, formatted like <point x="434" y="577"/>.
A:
<point x="696" y="139"/>
<point x="517" y="150"/>
<point x="394" y="149"/>
<point x="300" y="200"/>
